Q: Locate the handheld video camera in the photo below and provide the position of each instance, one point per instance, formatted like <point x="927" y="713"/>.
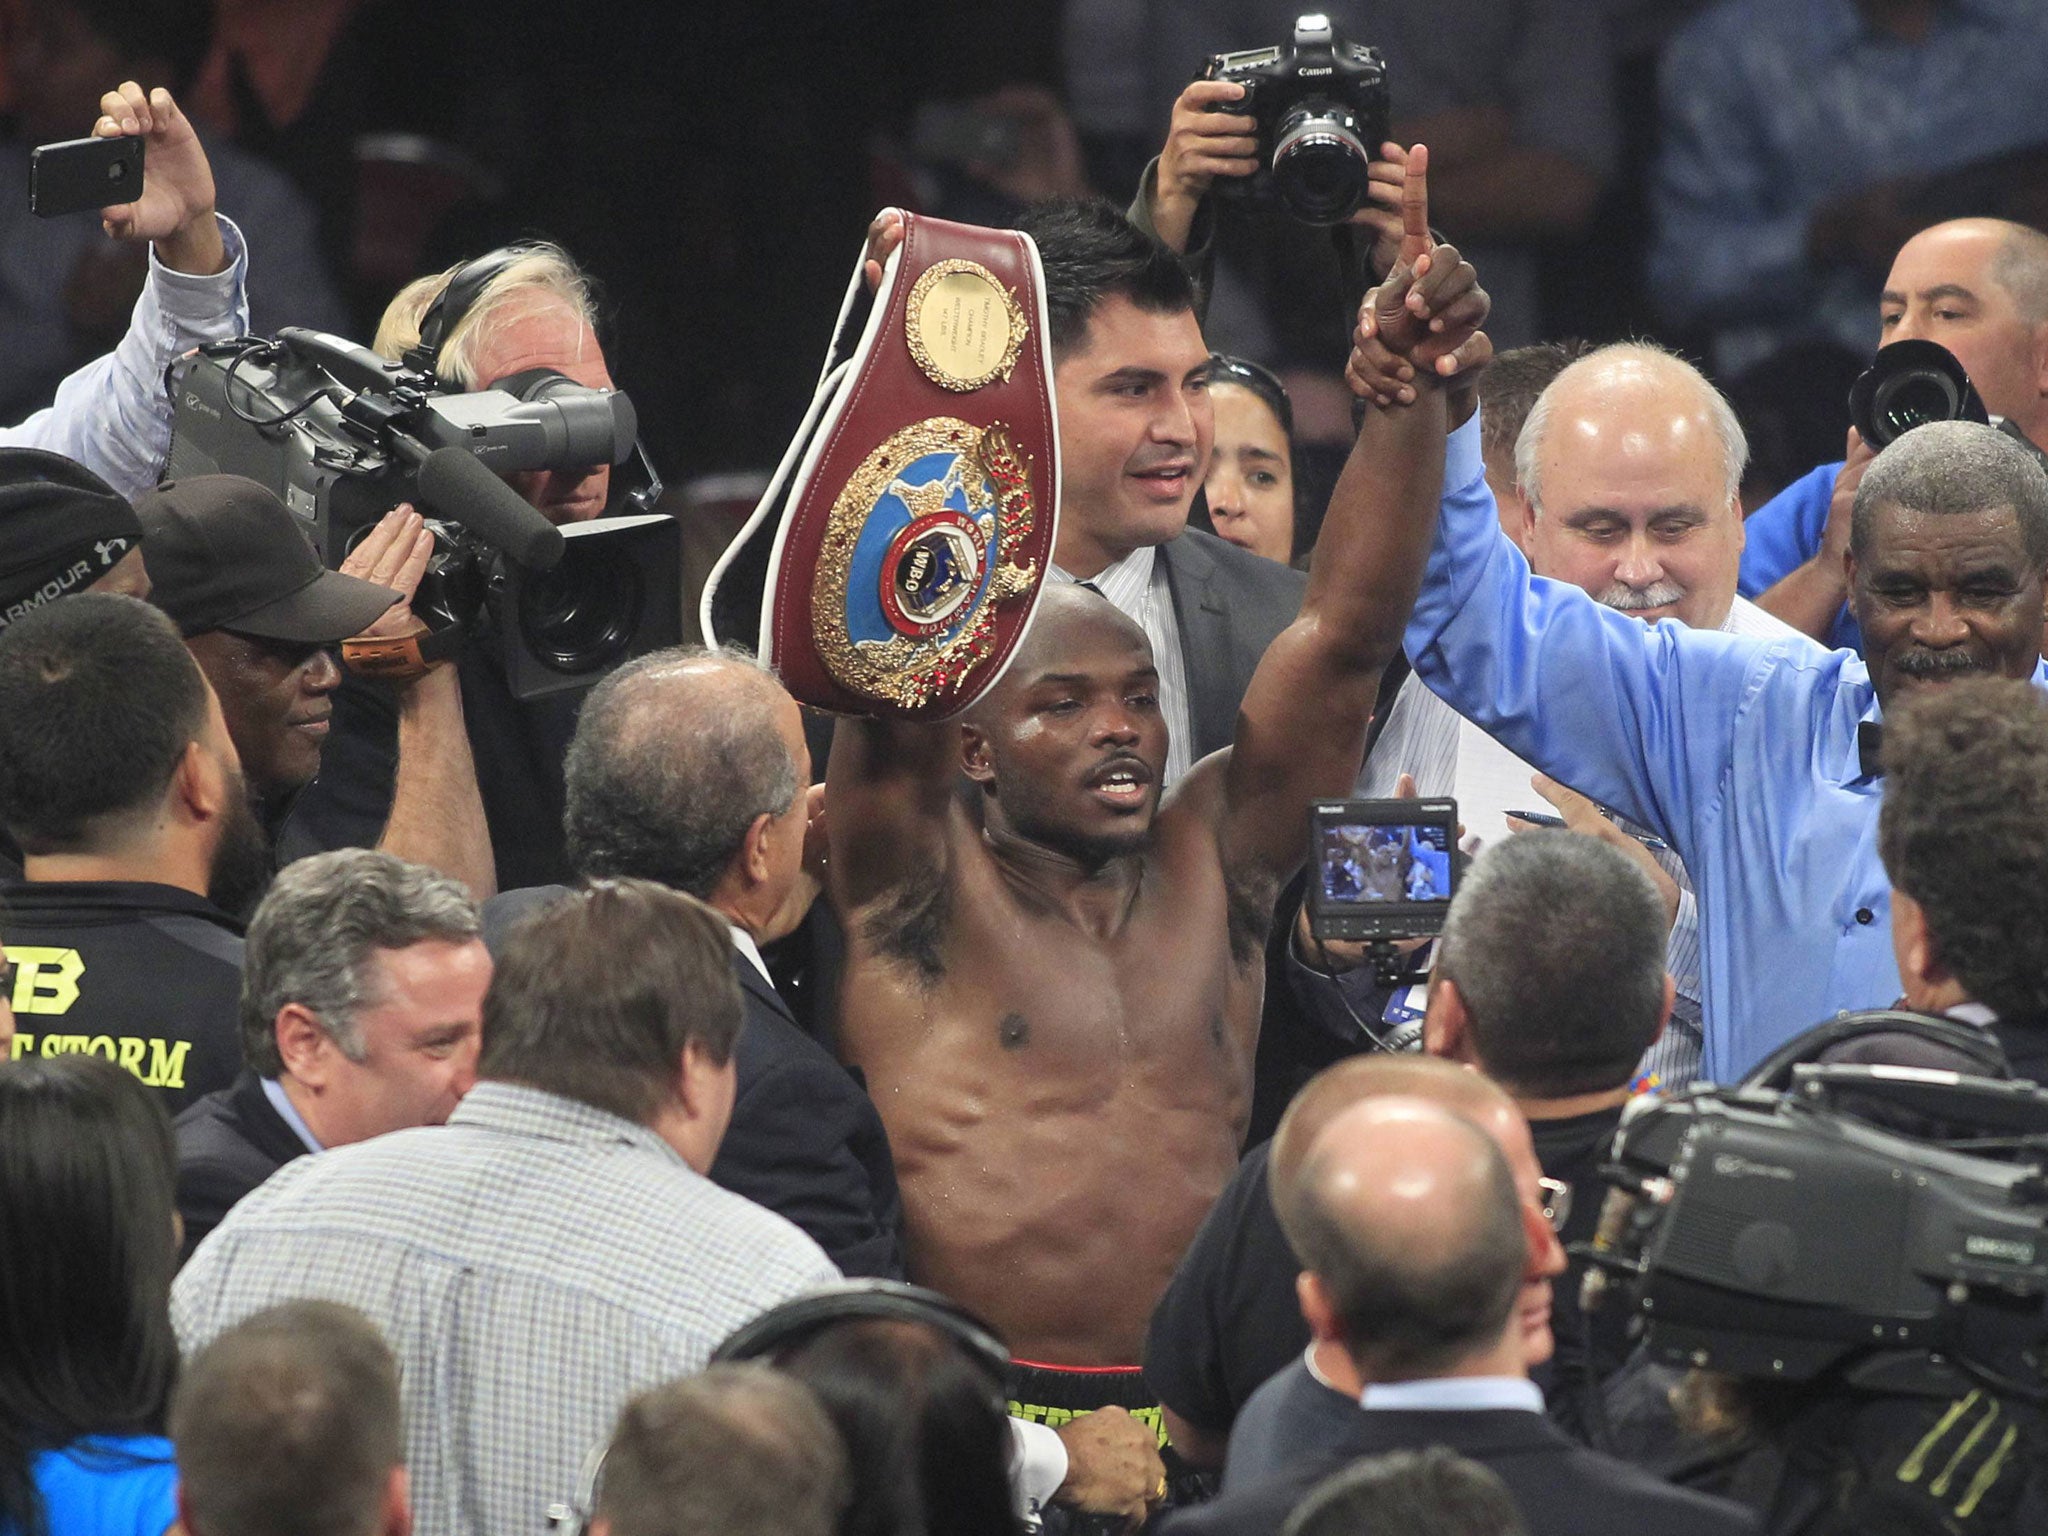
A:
<point x="1381" y="870"/>
<point x="342" y="435"/>
<point x="1322" y="106"/>
<point x="1779" y="1235"/>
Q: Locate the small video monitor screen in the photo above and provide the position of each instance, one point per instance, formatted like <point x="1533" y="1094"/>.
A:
<point x="1382" y="868"/>
<point x="1380" y="863"/>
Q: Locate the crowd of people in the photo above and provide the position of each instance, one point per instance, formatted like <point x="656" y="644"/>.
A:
<point x="656" y="1107"/>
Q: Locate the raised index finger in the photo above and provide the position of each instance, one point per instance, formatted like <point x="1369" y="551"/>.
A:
<point x="1415" y="203"/>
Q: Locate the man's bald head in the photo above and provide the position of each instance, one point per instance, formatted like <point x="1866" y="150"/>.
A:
<point x="1381" y="1074"/>
<point x="1629" y="468"/>
<point x="676" y="755"/>
<point x="1407" y="1218"/>
<point x="1980" y="288"/>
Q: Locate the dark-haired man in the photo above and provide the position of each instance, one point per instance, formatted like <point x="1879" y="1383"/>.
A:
<point x="120" y="784"/>
<point x="1130" y="375"/>
<point x="1964" y="837"/>
<point x="555" y="1247"/>
<point x="1054" y="976"/>
<point x="290" y="1421"/>
<point x="1412" y="1241"/>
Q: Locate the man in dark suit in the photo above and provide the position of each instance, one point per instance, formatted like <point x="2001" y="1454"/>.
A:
<point x="362" y="1009"/>
<point x="1413" y="1233"/>
<point x="689" y="767"/>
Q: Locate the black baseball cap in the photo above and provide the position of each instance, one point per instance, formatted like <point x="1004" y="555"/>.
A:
<point x="61" y="529"/>
<point x="224" y="553"/>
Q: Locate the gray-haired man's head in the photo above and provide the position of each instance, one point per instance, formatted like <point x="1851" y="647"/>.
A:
<point x="362" y="992"/>
<point x="689" y="768"/>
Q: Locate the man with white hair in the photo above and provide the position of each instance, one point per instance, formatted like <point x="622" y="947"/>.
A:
<point x="1628" y="471"/>
<point x="483" y="322"/>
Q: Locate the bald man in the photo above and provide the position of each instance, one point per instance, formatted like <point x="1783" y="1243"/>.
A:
<point x="1412" y="1240"/>
<point x="1308" y="1405"/>
<point x="1053" y="975"/>
<point x="1628" y="472"/>
<point x="1979" y="287"/>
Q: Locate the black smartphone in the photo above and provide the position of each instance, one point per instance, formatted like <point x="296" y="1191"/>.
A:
<point x="82" y="174"/>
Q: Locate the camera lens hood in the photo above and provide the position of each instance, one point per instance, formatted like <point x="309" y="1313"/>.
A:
<point x="1907" y="385"/>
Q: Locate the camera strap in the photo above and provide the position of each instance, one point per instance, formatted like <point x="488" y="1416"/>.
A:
<point x="403" y="658"/>
<point x="897" y="557"/>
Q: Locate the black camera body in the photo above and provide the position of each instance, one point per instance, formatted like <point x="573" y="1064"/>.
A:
<point x="342" y="435"/>
<point x="1780" y="1236"/>
<point x="1322" y="107"/>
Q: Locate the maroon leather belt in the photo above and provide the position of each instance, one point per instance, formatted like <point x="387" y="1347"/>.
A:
<point x="897" y="556"/>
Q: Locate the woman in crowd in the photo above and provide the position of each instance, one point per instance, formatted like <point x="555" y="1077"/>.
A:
<point x="88" y="1245"/>
<point x="1250" y="484"/>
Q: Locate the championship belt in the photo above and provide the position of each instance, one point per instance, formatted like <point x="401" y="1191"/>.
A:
<point x="896" y="559"/>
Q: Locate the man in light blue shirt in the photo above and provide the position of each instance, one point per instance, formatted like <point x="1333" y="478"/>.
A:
<point x="114" y="414"/>
<point x="1748" y="755"/>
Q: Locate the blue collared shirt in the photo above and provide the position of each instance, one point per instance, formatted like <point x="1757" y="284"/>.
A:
<point x="1740" y="752"/>
<point x="1453" y="1394"/>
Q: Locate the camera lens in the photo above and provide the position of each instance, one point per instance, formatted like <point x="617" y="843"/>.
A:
<point x="1913" y="399"/>
<point x="1320" y="169"/>
<point x="581" y="616"/>
<point x="1908" y="384"/>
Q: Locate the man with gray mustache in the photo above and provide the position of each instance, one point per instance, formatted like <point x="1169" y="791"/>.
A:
<point x="1627" y="472"/>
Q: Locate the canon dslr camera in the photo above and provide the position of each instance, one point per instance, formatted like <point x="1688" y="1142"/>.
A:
<point x="1322" y="106"/>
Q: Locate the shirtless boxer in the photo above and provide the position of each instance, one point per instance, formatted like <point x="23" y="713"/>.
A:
<point x="1053" y="979"/>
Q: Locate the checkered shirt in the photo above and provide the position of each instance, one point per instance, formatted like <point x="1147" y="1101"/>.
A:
<point x="533" y="1263"/>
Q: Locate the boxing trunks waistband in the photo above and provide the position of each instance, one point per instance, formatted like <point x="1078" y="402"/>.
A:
<point x="1053" y="1394"/>
<point x="894" y="562"/>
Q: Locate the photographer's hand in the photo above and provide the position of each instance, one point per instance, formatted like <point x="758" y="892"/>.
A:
<point x="394" y="554"/>
<point x="1810" y="595"/>
<point x="176" y="206"/>
<point x="1382" y="211"/>
<point x="1201" y="145"/>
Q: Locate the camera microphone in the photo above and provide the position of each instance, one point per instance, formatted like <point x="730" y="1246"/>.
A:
<point x="455" y="484"/>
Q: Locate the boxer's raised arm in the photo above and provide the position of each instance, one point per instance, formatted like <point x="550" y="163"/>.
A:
<point x="889" y="788"/>
<point x="1301" y="729"/>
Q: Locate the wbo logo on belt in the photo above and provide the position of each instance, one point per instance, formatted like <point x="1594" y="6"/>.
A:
<point x="895" y="561"/>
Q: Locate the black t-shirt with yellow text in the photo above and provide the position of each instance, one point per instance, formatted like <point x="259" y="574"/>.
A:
<point x="147" y="976"/>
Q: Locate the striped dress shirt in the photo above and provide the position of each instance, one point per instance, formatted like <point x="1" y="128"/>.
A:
<point x="533" y="1263"/>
